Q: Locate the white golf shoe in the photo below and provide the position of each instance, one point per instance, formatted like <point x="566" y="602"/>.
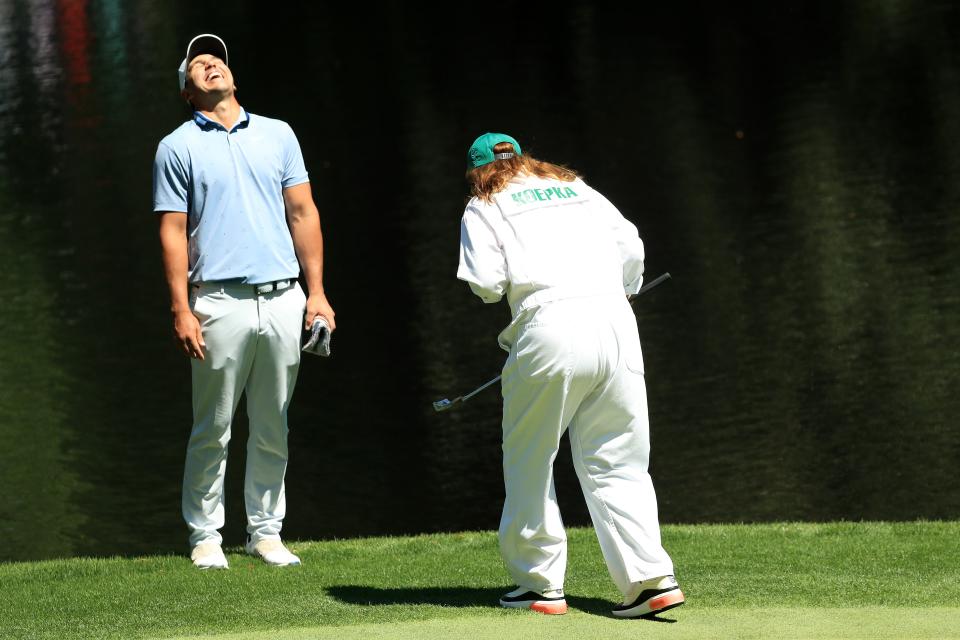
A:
<point x="208" y="555"/>
<point x="650" y="597"/>
<point x="272" y="551"/>
<point x="549" y="602"/>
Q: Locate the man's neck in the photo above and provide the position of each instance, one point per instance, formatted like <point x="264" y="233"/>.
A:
<point x="226" y="112"/>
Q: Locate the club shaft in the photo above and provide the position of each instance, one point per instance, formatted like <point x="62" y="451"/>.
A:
<point x="479" y="389"/>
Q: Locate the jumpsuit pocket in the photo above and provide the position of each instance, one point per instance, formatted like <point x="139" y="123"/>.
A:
<point x="633" y="360"/>
<point x="635" y="366"/>
<point x="542" y="351"/>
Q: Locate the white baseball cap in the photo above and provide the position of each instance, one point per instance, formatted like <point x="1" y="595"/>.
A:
<point x="203" y="43"/>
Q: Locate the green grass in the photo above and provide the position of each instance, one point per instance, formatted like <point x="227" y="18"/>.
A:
<point x="838" y="580"/>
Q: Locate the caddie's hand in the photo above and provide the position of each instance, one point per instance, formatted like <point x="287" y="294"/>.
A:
<point x="317" y="305"/>
<point x="186" y="331"/>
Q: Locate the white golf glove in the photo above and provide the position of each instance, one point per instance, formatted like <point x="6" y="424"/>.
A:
<point x="319" y="341"/>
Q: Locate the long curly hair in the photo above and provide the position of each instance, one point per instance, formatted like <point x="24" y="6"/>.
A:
<point x="492" y="178"/>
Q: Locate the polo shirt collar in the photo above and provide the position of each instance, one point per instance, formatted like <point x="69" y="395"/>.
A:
<point x="204" y="122"/>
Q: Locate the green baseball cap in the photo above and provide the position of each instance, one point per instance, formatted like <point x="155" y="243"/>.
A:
<point x="481" y="151"/>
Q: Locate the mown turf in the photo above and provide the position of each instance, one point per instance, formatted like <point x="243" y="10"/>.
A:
<point x="701" y="624"/>
<point x="838" y="580"/>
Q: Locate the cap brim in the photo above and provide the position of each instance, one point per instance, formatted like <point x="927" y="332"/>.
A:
<point x="207" y="43"/>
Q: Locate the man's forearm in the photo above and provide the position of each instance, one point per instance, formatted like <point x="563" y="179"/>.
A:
<point x="308" y="244"/>
<point x="304" y="223"/>
<point x="173" y="242"/>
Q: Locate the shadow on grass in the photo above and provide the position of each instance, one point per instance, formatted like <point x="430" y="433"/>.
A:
<point x="652" y="617"/>
<point x="455" y="597"/>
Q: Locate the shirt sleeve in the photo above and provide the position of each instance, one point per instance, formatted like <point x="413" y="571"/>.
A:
<point x="294" y="170"/>
<point x="482" y="263"/>
<point x="171" y="182"/>
<point x="628" y="242"/>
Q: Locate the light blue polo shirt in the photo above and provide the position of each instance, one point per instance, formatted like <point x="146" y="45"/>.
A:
<point x="230" y="184"/>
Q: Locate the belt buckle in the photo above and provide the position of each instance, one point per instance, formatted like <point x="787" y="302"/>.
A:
<point x="270" y="287"/>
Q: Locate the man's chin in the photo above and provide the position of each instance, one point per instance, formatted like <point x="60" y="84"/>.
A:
<point x="214" y="95"/>
<point x="219" y="87"/>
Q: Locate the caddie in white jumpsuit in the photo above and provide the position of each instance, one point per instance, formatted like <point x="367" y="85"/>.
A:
<point x="566" y="259"/>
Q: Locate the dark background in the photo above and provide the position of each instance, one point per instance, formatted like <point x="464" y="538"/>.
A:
<point x="793" y="165"/>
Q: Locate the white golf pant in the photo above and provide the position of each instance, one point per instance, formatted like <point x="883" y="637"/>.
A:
<point x="577" y="364"/>
<point x="252" y="346"/>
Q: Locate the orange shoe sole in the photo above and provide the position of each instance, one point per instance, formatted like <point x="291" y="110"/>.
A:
<point x="653" y="606"/>
<point x="666" y="601"/>
<point x="549" y="608"/>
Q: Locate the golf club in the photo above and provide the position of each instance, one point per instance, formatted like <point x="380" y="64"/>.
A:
<point x="443" y="405"/>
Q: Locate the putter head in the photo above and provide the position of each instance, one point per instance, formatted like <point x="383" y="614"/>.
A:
<point x="442" y="405"/>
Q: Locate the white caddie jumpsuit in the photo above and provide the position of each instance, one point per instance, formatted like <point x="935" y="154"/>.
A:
<point x="565" y="258"/>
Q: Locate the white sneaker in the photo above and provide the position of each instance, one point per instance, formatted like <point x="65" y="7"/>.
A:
<point x="550" y="602"/>
<point x="650" y="597"/>
<point x="272" y="551"/>
<point x="208" y="555"/>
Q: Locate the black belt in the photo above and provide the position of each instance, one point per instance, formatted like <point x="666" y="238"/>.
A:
<point x="269" y="287"/>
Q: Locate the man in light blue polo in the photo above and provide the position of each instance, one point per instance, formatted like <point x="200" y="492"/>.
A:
<point x="237" y="221"/>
